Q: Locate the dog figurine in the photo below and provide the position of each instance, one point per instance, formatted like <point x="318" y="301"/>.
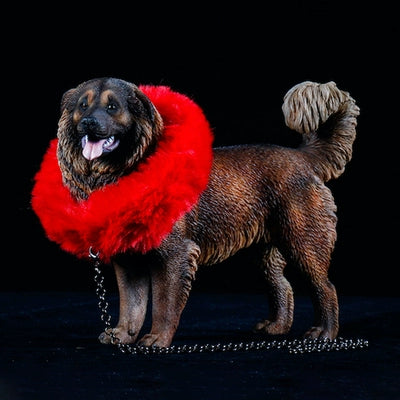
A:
<point x="271" y="195"/>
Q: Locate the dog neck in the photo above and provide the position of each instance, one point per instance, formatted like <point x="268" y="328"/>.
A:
<point x="83" y="177"/>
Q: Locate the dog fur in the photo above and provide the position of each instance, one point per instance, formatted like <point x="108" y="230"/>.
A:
<point x="271" y="195"/>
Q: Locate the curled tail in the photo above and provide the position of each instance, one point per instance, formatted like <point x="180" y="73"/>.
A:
<point x="326" y="117"/>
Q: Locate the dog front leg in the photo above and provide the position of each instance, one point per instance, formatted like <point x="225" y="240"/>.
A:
<point x="133" y="286"/>
<point x="171" y="284"/>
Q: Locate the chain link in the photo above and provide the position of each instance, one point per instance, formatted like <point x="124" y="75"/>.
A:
<point x="296" y="346"/>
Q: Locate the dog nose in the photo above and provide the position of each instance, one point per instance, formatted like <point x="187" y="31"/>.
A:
<point x="90" y="124"/>
<point x="92" y="127"/>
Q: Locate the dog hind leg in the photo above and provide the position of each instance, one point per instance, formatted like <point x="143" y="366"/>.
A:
<point x="314" y="263"/>
<point x="309" y="241"/>
<point x="325" y="303"/>
<point x="280" y="295"/>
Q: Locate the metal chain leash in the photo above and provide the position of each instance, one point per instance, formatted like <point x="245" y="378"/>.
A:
<point x="296" y="346"/>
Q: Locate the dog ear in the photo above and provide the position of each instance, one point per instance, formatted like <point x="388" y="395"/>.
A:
<point x="66" y="102"/>
<point x="147" y="104"/>
<point x="140" y="104"/>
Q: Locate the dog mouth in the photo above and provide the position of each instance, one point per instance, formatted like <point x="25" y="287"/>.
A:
<point x="94" y="149"/>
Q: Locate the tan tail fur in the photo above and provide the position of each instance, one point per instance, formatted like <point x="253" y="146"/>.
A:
<point x="326" y="117"/>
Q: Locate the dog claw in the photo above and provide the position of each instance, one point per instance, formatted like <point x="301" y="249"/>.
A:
<point x="104" y="338"/>
<point x="318" y="332"/>
<point x="271" y="327"/>
<point x="119" y="335"/>
<point x="153" y="340"/>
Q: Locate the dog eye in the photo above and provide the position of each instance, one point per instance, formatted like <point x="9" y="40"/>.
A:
<point x="83" y="105"/>
<point x="111" y="107"/>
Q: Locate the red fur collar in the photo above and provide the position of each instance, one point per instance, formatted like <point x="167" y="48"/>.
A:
<point x="140" y="209"/>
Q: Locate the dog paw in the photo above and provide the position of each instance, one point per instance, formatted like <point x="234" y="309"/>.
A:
<point x="271" y="327"/>
<point x="319" y="332"/>
<point x="156" y="340"/>
<point x="118" y="335"/>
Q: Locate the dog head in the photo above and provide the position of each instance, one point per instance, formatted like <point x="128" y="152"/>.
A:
<point x="107" y="126"/>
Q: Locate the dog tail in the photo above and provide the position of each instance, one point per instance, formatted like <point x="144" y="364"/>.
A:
<point x="326" y="117"/>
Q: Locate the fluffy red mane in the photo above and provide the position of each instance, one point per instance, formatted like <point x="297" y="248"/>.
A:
<point x="141" y="208"/>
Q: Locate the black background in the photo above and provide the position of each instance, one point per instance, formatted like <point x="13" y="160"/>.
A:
<point x="236" y="62"/>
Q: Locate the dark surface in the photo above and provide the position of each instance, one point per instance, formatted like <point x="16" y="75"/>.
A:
<point x="49" y="350"/>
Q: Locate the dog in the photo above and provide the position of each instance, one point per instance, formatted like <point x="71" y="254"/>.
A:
<point x="269" y="195"/>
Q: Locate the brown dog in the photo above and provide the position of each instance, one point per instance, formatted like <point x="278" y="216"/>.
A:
<point x="270" y="195"/>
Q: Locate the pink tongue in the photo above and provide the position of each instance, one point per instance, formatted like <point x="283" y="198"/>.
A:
<point x="93" y="149"/>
